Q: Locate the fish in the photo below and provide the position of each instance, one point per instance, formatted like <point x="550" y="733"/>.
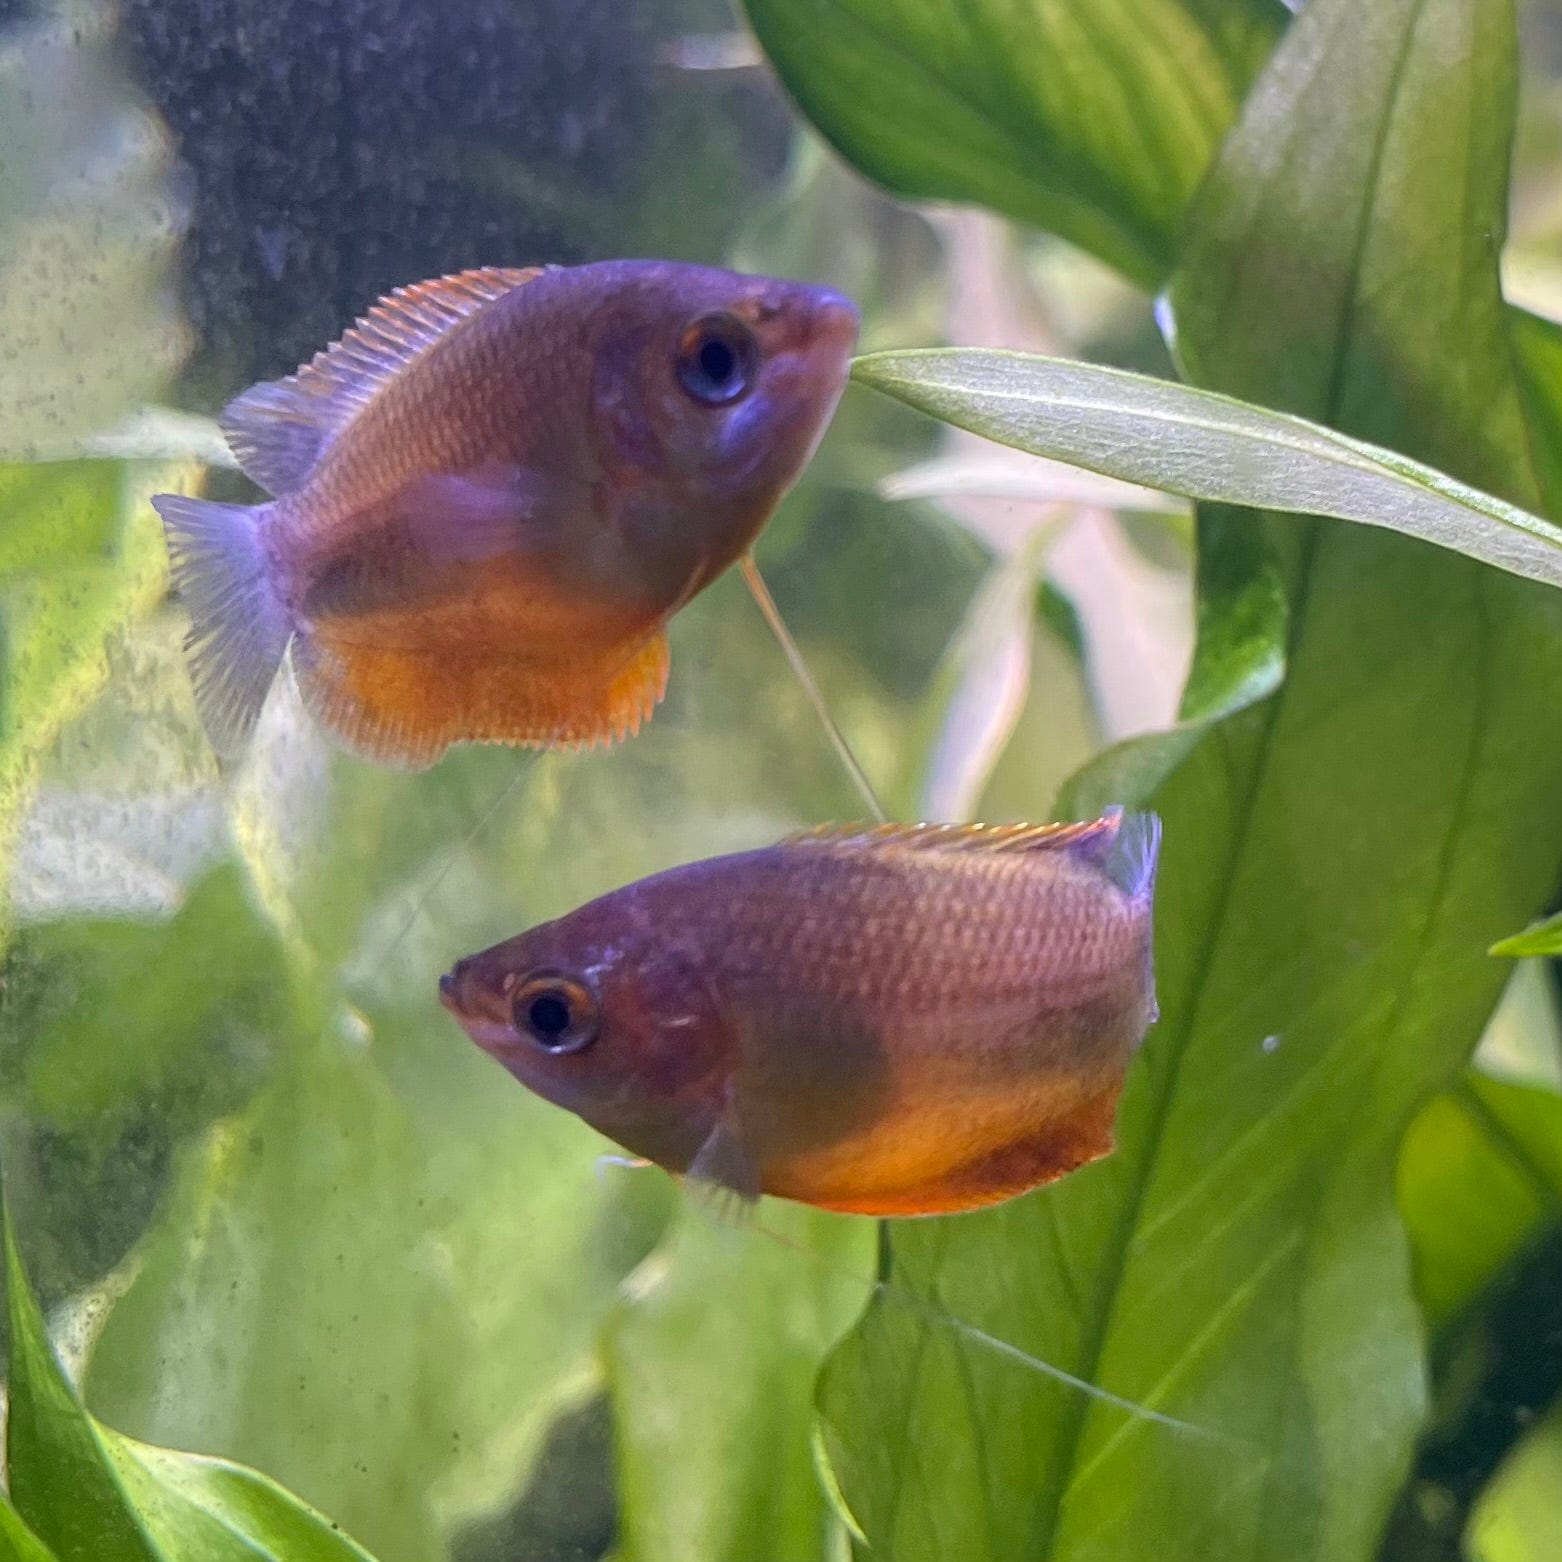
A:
<point x="491" y="494"/>
<point x="887" y="1020"/>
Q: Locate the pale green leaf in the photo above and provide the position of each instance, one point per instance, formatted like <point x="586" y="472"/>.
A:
<point x="81" y="558"/>
<point x="1206" y="446"/>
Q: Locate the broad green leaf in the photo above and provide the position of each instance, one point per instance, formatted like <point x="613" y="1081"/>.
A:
<point x="1091" y="118"/>
<point x="1205" y="446"/>
<point x="711" y="1362"/>
<point x="88" y="224"/>
<point x="1480" y="1172"/>
<point x="1337" y="858"/>
<point x="1540" y="938"/>
<point x="95" y="1496"/>
<point x="1518" y="1518"/>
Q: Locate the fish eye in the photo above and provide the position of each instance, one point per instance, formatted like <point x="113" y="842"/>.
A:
<point x="556" y="1012"/>
<point x="717" y="357"/>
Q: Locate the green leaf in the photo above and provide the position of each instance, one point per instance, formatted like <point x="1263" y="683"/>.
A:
<point x="1090" y="118"/>
<point x="1205" y="446"/>
<point x="1518" y="1518"/>
<point x="1337" y="858"/>
<point x="1540" y="938"/>
<point x="17" y="1542"/>
<point x="714" y="1403"/>
<point x="95" y="1496"/>
<point x="1537" y="357"/>
<point x="1480" y="1173"/>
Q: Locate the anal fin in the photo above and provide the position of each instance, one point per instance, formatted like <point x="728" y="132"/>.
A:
<point x="405" y="706"/>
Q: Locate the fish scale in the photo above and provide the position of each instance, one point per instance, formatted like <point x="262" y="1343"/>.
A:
<point x="492" y="493"/>
<point x="886" y="1021"/>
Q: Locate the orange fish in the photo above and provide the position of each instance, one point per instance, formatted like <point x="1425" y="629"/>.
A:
<point x="493" y="492"/>
<point x="888" y="1020"/>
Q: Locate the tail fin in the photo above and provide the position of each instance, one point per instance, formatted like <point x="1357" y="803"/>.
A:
<point x="1129" y="861"/>
<point x="239" y="628"/>
<point x="1131" y="858"/>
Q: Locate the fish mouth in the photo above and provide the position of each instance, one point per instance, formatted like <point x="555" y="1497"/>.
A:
<point x="837" y="319"/>
<point x="830" y="335"/>
<point x="447" y="992"/>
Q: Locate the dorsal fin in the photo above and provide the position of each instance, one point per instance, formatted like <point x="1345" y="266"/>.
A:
<point x="279" y="428"/>
<point x="1091" y="836"/>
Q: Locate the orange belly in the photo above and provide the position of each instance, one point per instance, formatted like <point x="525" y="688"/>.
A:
<point x="944" y="1162"/>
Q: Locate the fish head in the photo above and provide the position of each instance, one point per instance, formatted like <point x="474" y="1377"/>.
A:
<point x="610" y="1021"/>
<point x="711" y="390"/>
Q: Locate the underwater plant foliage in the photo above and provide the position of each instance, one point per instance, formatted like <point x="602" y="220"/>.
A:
<point x="1347" y="843"/>
<point x="275" y="1211"/>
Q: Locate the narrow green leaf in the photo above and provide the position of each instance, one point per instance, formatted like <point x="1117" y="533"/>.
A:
<point x="1338" y="855"/>
<point x="96" y="1496"/>
<point x="1537" y="357"/>
<point x="1091" y="118"/>
<point x="208" y="1510"/>
<point x="17" y="1542"/>
<point x="1540" y="938"/>
<point x="1206" y="446"/>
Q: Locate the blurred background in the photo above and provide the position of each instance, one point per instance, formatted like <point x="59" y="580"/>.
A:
<point x="277" y="1205"/>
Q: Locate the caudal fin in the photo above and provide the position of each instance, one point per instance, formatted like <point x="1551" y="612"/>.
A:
<point x="1129" y="861"/>
<point x="239" y="628"/>
<point x="1133" y="853"/>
